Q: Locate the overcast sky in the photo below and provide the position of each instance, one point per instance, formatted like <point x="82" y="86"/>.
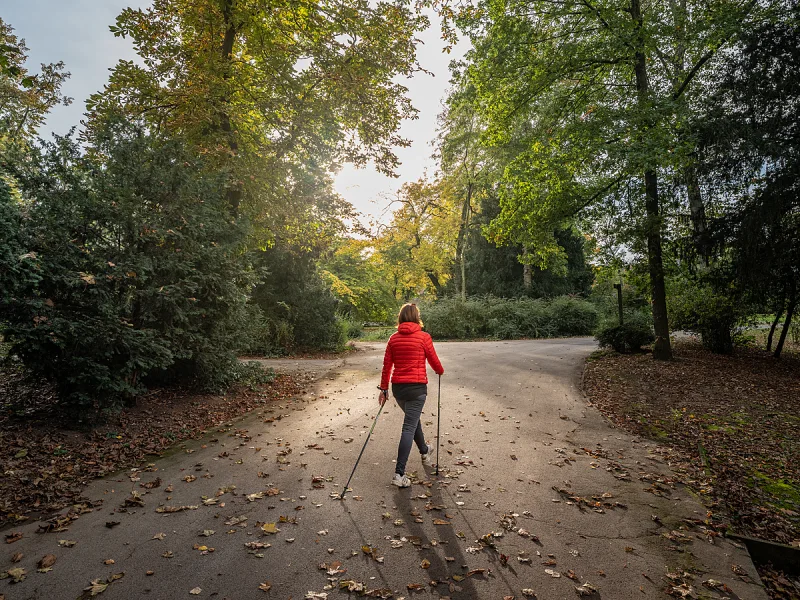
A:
<point x="76" y="32"/>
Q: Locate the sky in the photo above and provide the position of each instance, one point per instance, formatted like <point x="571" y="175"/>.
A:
<point x="76" y="32"/>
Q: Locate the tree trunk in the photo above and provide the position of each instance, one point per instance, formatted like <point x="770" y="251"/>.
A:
<point x="661" y="349"/>
<point x="697" y="213"/>
<point x="461" y="243"/>
<point x="234" y="193"/>
<point x="789" y="313"/>
<point x="527" y="273"/>
<point x="435" y="281"/>
<point x="778" y="315"/>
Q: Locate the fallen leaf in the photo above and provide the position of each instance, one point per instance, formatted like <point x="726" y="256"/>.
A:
<point x="17" y="575"/>
<point x="13" y="537"/>
<point x="587" y="589"/>
<point x="269" y="528"/>
<point x="552" y="573"/>
<point x="195" y="591"/>
<point x="16" y="557"/>
<point x="96" y="586"/>
<point x="159" y="536"/>
<point x="265" y="587"/>
<point x="529" y="593"/>
<point x="353" y="586"/>
<point x="476" y="572"/>
<point x="425" y="563"/>
<point x="172" y="509"/>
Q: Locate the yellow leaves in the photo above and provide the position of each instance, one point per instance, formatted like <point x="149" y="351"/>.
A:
<point x="270" y="528"/>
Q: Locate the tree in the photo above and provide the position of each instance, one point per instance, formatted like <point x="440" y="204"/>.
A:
<point x="418" y="245"/>
<point x="749" y="151"/>
<point x="465" y="167"/>
<point x="277" y="93"/>
<point x="604" y="91"/>
<point x="25" y="97"/>
<point x="357" y="278"/>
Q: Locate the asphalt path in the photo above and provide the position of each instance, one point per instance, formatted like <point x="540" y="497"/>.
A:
<point x="536" y="492"/>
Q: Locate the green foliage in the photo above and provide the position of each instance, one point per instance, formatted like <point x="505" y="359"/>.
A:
<point x="127" y="269"/>
<point x="696" y="306"/>
<point x="353" y="328"/>
<point x="355" y="276"/>
<point x="629" y="337"/>
<point x="298" y="310"/>
<point x="497" y="318"/>
<point x="497" y="270"/>
<point x="25" y="97"/>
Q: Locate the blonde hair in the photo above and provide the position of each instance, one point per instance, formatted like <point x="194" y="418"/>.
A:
<point x="409" y="313"/>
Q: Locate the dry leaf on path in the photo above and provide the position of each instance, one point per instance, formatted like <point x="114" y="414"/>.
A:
<point x="17" y="575"/>
<point x="587" y="589"/>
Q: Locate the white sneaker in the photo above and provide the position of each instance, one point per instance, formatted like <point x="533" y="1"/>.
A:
<point x="426" y="458"/>
<point x="401" y="481"/>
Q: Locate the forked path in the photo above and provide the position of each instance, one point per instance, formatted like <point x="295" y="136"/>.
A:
<point x="536" y="492"/>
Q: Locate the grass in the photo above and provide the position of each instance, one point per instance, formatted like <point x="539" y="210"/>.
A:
<point x="784" y="494"/>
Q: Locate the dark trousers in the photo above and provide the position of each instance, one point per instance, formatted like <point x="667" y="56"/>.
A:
<point x="410" y="397"/>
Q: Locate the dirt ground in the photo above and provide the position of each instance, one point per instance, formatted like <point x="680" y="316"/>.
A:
<point x="730" y="422"/>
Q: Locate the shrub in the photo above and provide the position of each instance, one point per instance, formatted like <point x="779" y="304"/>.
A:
<point x="129" y="266"/>
<point x="697" y="306"/>
<point x="354" y="328"/>
<point x="509" y="318"/>
<point x="573" y="316"/>
<point x="629" y="337"/>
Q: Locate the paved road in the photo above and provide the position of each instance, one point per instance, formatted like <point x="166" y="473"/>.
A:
<point x="514" y="427"/>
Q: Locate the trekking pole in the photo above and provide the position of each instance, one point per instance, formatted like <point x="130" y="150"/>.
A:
<point x="344" y="491"/>
<point x="438" y="423"/>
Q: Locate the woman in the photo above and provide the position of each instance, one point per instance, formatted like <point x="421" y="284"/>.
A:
<point x="407" y="350"/>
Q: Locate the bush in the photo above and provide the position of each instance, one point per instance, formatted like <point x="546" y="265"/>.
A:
<point x="354" y="328"/>
<point x="629" y="337"/>
<point x="500" y="318"/>
<point x="128" y="267"/>
<point x="696" y="306"/>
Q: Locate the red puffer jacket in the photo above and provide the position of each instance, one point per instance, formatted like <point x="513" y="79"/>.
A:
<point x="407" y="350"/>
